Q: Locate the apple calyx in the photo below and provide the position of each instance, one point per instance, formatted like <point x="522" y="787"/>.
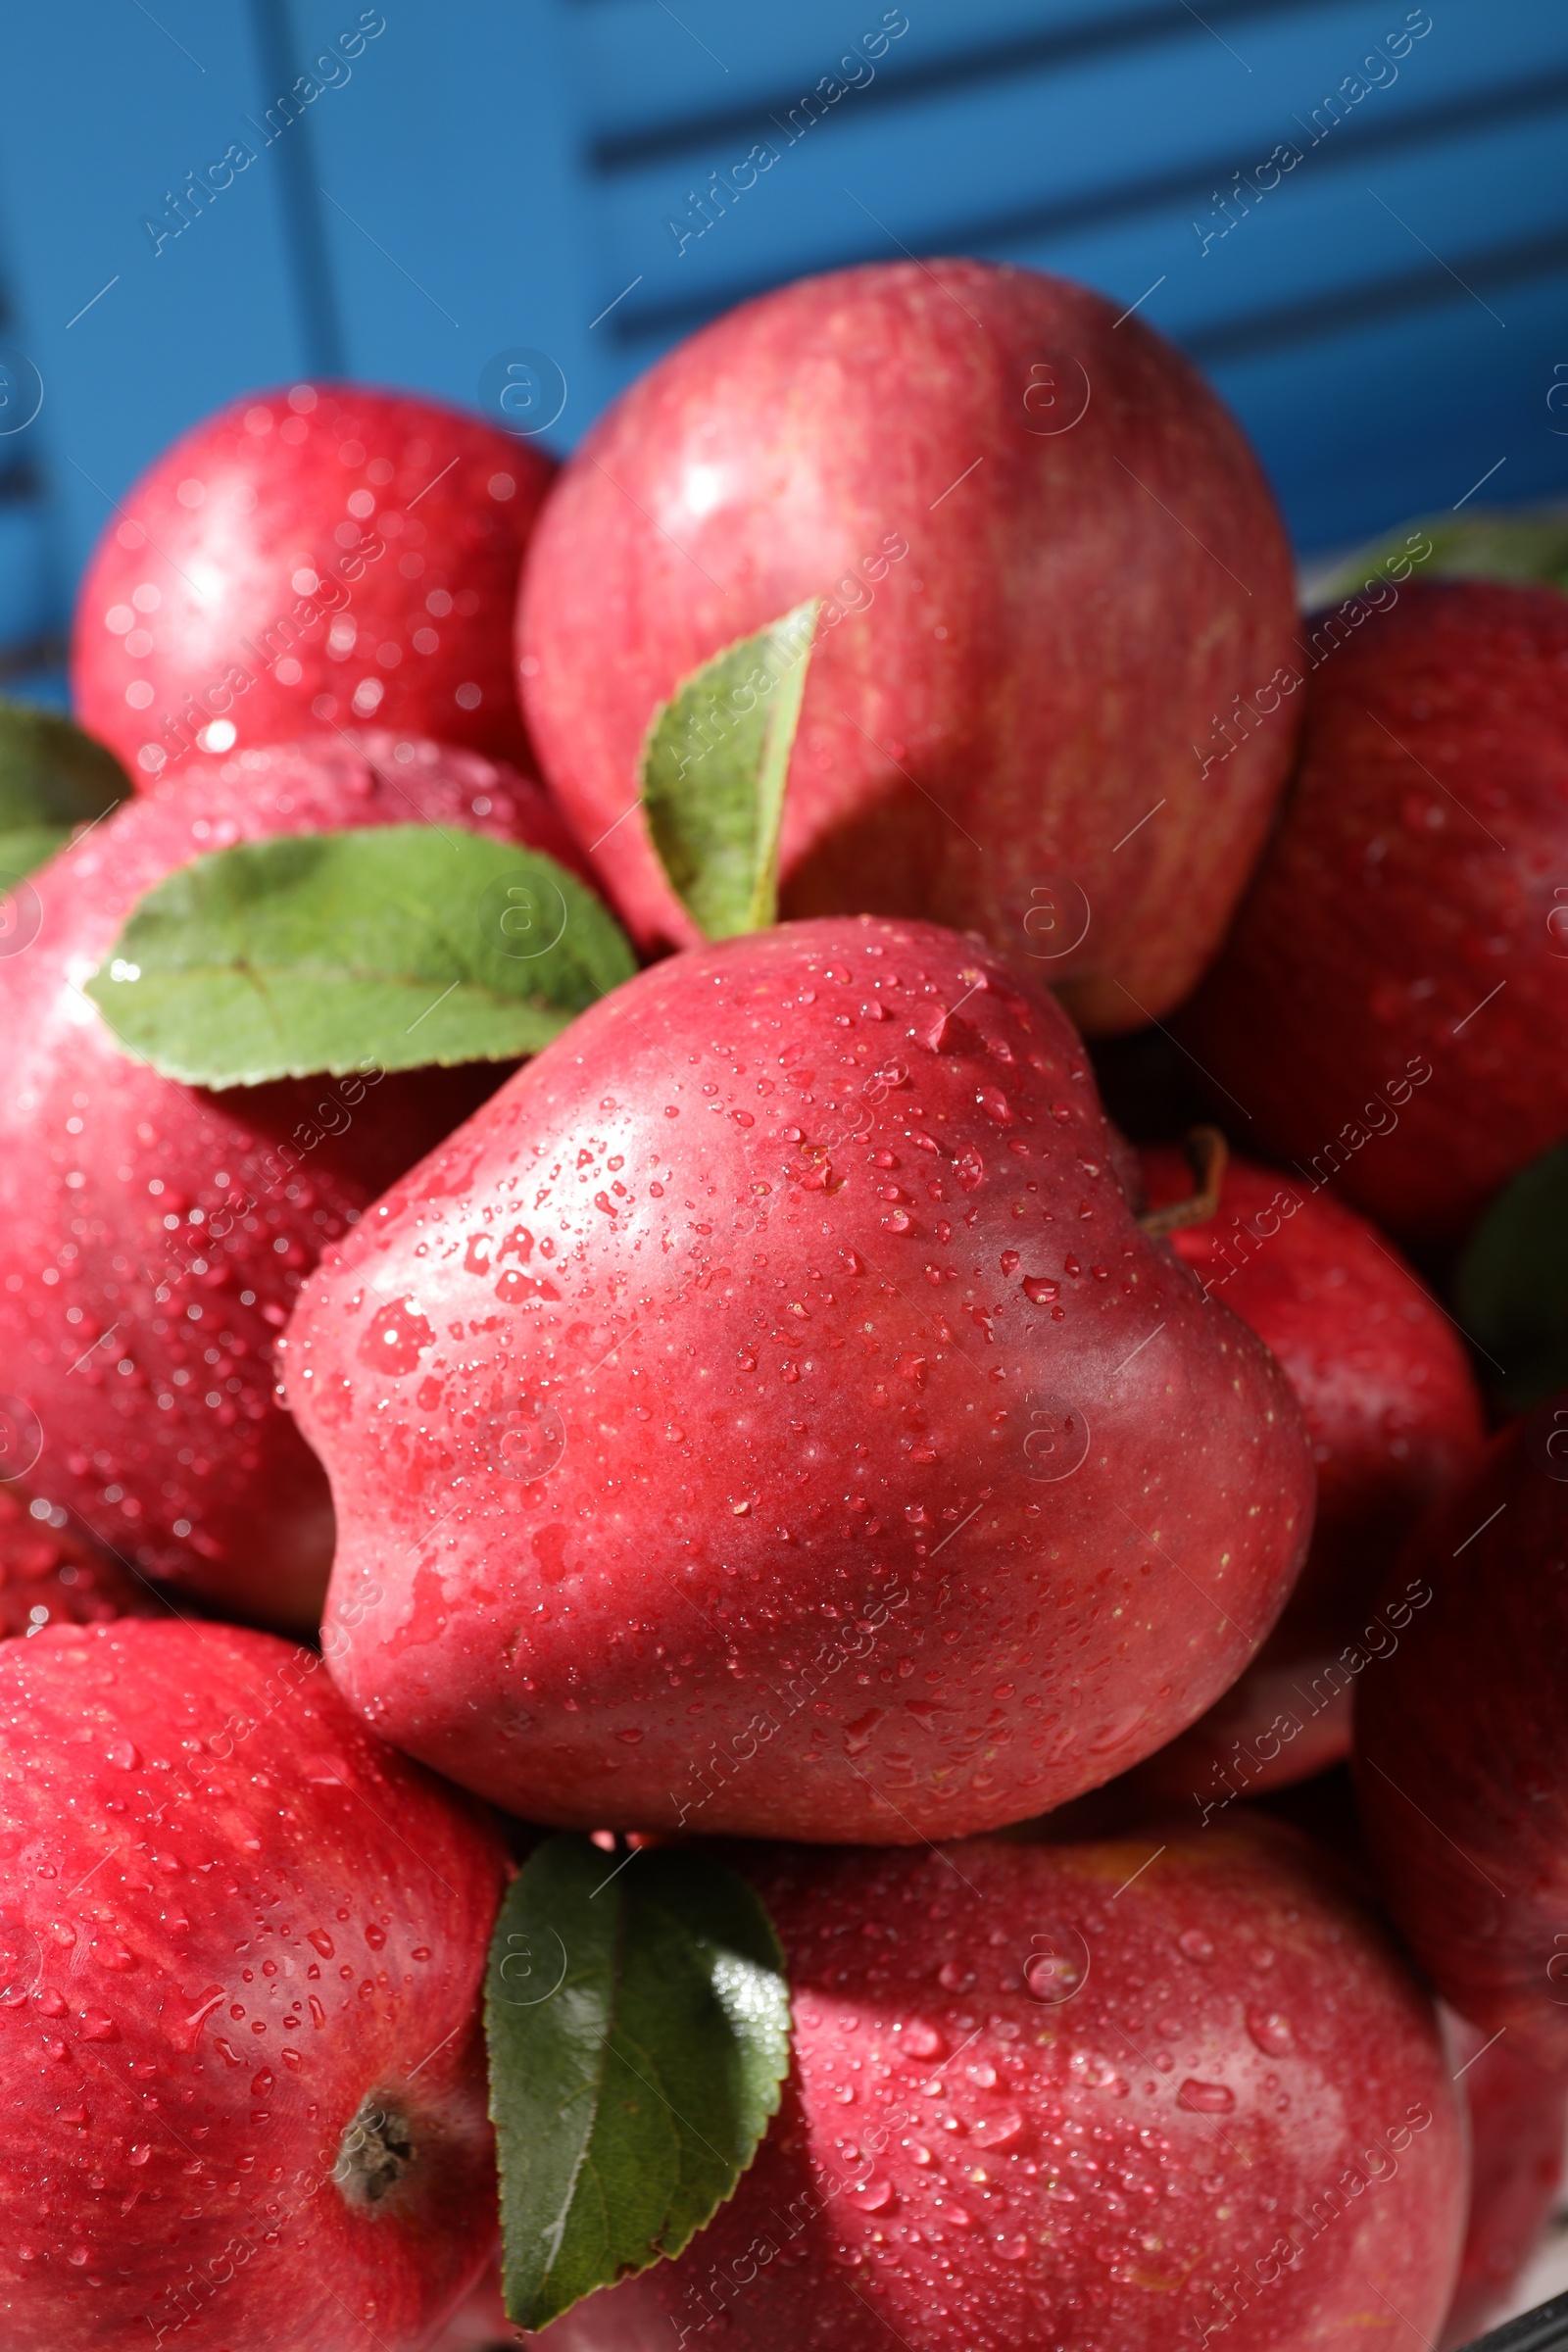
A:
<point x="715" y="765"/>
<point x="377" y="2150"/>
<point x="1207" y="1153"/>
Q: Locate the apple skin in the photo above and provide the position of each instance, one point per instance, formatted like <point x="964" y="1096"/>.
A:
<point x="991" y="712"/>
<point x="286" y="1920"/>
<point x="1459" y="1747"/>
<point x="616" y="2320"/>
<point x="1417" y="871"/>
<point x="1210" y="2128"/>
<point x="1517" y="2120"/>
<point x="629" y="1468"/>
<point x="98" y="1152"/>
<point x="286" y="479"/>
<point x="1394" y="1417"/>
<point x="54" y="1575"/>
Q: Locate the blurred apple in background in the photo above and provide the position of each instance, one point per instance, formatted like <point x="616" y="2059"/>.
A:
<point x="1394" y="1416"/>
<point x="1461" y="1745"/>
<point x="1391" y="1010"/>
<point x="326" y="556"/>
<point x="1047" y="558"/>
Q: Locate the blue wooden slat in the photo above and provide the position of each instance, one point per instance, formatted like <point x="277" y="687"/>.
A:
<point x="471" y="231"/>
<point x="644" y="68"/>
<point x="30" y="601"/>
<point x="1115" y="139"/>
<point x="134" y="345"/>
<point x="1423" y="406"/>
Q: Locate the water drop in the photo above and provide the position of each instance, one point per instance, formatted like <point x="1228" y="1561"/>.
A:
<point x="1205" y="2098"/>
<point x="1196" y="1944"/>
<point x="997" y="2131"/>
<point x="395" y="1339"/>
<point x="1273" y="2034"/>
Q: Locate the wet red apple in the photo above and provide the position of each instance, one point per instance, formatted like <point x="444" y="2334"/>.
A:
<point x="153" y="1236"/>
<point x="329" y="555"/>
<point x="768" y="1414"/>
<point x="1461" y="1771"/>
<point x="1049" y="559"/>
<point x="1178" y="2088"/>
<point x="1391" y="1010"/>
<point x="1394" y="1417"/>
<point x="242" y="1946"/>
<point x="1518" y="2117"/>
<point x="52" y="1574"/>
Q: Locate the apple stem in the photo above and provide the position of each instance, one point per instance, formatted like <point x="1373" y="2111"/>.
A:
<point x="1207" y="1153"/>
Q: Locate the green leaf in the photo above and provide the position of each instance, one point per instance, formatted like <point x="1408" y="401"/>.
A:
<point x="1488" y="544"/>
<point x="1511" y="1288"/>
<point x="29" y="847"/>
<point x="323" y="952"/>
<point x="638" y="2027"/>
<point x="715" y="767"/>
<point x="53" y="778"/>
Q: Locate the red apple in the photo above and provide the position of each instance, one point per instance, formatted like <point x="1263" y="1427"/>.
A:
<point x="1174" y="2089"/>
<point x="1391" y="1010"/>
<point x="243" y="1945"/>
<point x="51" y="1574"/>
<point x="324" y="555"/>
<point x="1049" y="559"/>
<point x="1394" y="1417"/>
<point x="1517" y="2120"/>
<point x="1460" y="1753"/>
<point x="767" y="1413"/>
<point x="480" y="2325"/>
<point x="139" y="1333"/>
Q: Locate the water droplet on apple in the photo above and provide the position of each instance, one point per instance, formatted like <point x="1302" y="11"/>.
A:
<point x="922" y="2041"/>
<point x="395" y="1337"/>
<point x="1273" y="2034"/>
<point x="1205" y="2098"/>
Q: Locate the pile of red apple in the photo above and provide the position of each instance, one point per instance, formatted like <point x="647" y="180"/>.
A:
<point x="697" y="1626"/>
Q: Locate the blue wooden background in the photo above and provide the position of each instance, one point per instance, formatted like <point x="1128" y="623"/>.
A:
<point x="1389" y="321"/>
